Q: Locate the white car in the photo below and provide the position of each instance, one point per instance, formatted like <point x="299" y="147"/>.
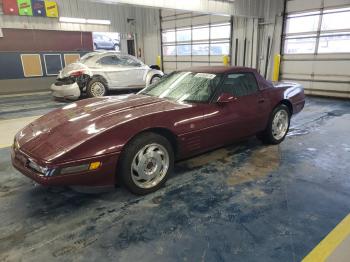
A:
<point x="97" y="72"/>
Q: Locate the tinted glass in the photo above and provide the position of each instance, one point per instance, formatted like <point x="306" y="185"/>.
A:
<point x="240" y="84"/>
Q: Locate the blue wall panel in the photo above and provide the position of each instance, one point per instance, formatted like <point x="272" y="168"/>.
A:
<point x="11" y="65"/>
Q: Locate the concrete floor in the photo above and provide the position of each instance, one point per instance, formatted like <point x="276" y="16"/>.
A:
<point x="245" y="202"/>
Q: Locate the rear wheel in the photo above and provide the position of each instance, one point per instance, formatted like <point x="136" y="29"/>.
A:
<point x="277" y="127"/>
<point x="96" y="87"/>
<point x="146" y="163"/>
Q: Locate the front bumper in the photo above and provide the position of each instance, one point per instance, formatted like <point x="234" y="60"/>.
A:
<point x="102" y="177"/>
<point x="70" y="91"/>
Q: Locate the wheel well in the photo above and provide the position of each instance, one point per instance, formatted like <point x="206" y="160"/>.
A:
<point x="160" y="131"/>
<point x="167" y="134"/>
<point x="156" y="75"/>
<point x="288" y="104"/>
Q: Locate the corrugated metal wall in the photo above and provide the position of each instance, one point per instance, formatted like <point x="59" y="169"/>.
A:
<point x="144" y="22"/>
<point x="321" y="74"/>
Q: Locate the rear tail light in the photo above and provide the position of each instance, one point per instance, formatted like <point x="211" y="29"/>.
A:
<point x="77" y="73"/>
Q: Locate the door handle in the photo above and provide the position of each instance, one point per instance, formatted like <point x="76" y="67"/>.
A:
<point x="261" y="100"/>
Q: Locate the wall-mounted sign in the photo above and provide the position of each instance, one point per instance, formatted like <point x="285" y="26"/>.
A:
<point x="38" y="8"/>
<point x="30" y="8"/>
<point x="10" y="7"/>
<point x="51" y="9"/>
<point x="25" y="7"/>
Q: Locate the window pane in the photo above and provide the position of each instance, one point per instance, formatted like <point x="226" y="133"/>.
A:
<point x="109" y="60"/>
<point x="168" y="36"/>
<point x="218" y="32"/>
<point x="200" y="33"/>
<point x="334" y="44"/>
<point x="183" y="35"/>
<point x="300" y="45"/>
<point x="335" y="21"/>
<point x="219" y="49"/>
<point x="202" y="49"/>
<point x="240" y="84"/>
<point x="169" y="50"/>
<point x="183" y="49"/>
<point x="302" y="24"/>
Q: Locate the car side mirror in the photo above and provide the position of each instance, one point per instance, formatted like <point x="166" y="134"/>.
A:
<point x="225" y="98"/>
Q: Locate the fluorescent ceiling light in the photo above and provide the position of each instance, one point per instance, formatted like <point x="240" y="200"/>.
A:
<point x="84" y="21"/>
<point x="72" y="20"/>
<point x="98" y="21"/>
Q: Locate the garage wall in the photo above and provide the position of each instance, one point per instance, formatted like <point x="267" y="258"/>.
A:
<point x="309" y="58"/>
<point x="118" y="15"/>
<point x="144" y="22"/>
<point x="257" y="40"/>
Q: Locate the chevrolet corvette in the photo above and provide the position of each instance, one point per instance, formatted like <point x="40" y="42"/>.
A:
<point x="135" y="139"/>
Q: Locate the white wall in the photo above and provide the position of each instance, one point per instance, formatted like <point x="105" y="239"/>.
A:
<point x="145" y="24"/>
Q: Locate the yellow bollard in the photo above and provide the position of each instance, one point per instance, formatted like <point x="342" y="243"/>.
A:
<point x="159" y="61"/>
<point x="276" y="68"/>
<point x="226" y="60"/>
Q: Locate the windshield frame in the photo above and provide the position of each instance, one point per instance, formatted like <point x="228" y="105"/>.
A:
<point x="208" y="101"/>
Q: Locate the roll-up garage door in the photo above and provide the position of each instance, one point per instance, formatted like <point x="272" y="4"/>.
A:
<point x="316" y="49"/>
<point x="192" y="39"/>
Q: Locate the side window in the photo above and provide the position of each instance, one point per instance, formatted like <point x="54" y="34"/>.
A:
<point x="129" y="61"/>
<point x="109" y="60"/>
<point x="240" y="84"/>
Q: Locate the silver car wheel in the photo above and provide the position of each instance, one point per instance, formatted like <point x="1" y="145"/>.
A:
<point x="280" y="124"/>
<point x="150" y="165"/>
<point x="155" y="79"/>
<point x="97" y="89"/>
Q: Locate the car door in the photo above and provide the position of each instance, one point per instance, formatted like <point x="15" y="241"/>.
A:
<point x="243" y="116"/>
<point x="134" y="72"/>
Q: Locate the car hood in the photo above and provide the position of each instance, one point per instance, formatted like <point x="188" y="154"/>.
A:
<point x="62" y="130"/>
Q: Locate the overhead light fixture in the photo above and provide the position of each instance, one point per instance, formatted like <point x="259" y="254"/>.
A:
<point x="72" y="20"/>
<point x="98" y="21"/>
<point x="84" y="21"/>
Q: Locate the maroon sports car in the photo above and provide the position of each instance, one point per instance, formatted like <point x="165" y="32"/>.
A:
<point x="136" y="138"/>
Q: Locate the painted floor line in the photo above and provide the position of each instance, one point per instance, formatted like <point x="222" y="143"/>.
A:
<point x="25" y="94"/>
<point x="328" y="245"/>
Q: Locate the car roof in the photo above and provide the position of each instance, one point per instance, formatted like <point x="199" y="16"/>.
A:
<point x="218" y="69"/>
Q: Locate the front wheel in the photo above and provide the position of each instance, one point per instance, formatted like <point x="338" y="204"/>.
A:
<point x="277" y="127"/>
<point x="146" y="163"/>
<point x="96" y="87"/>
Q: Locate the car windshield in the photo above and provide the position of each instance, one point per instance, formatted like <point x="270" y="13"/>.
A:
<point x="185" y="86"/>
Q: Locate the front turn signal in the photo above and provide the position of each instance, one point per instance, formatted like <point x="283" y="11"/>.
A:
<point x="94" y="165"/>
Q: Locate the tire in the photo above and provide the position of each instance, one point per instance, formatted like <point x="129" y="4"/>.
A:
<point x="97" y="87"/>
<point x="149" y="156"/>
<point x="272" y="134"/>
<point x="155" y="79"/>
